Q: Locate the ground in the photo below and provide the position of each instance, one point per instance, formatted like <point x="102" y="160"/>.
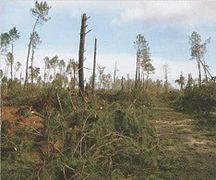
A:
<point x="188" y="152"/>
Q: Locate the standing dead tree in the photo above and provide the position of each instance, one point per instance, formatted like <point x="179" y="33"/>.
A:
<point x="94" y="65"/>
<point x="166" y="79"/>
<point x="81" y="53"/>
<point x="181" y="81"/>
<point x="128" y="83"/>
<point x="114" y="75"/>
<point x="122" y="83"/>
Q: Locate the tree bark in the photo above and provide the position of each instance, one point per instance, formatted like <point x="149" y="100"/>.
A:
<point x="1" y="103"/>
<point x="128" y="83"/>
<point x="200" y="75"/>
<point x="28" y="53"/>
<point x="114" y="75"/>
<point x="32" y="59"/>
<point x="12" y="61"/>
<point x="74" y="77"/>
<point x="81" y="54"/>
<point x="122" y="83"/>
<point x="137" y="77"/>
<point x="94" y="66"/>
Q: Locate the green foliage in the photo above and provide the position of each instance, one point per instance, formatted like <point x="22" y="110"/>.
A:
<point x="28" y="145"/>
<point x="108" y="140"/>
<point x="209" y="121"/>
<point x="135" y="97"/>
<point x="5" y="126"/>
<point x="41" y="11"/>
<point x="4" y="42"/>
<point x="199" y="100"/>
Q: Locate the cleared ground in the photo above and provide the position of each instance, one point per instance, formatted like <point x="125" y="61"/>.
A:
<point x="188" y="152"/>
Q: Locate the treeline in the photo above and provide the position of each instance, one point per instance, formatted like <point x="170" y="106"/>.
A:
<point x="64" y="126"/>
<point x="69" y="74"/>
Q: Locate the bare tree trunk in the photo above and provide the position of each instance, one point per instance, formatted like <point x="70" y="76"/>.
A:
<point x="12" y="61"/>
<point x="81" y="54"/>
<point x="137" y="77"/>
<point x="28" y="53"/>
<point x="20" y="81"/>
<point x="44" y="76"/>
<point x="200" y="75"/>
<point x="166" y="79"/>
<point x="74" y="77"/>
<point x="27" y="61"/>
<point x="147" y="81"/>
<point x="143" y="81"/>
<point x="32" y="59"/>
<point x="206" y="77"/>
<point x="94" y="66"/>
<point x="122" y="83"/>
<point x="1" y="103"/>
<point x="205" y="69"/>
<point x="181" y="86"/>
<point x="128" y="83"/>
<point x="114" y="75"/>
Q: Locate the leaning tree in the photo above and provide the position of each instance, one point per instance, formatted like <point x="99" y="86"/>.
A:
<point x="35" y="42"/>
<point x="198" y="49"/>
<point x="40" y="12"/>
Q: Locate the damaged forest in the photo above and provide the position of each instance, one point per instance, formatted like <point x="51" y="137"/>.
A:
<point x="59" y="122"/>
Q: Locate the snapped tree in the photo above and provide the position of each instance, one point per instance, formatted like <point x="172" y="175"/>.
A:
<point x="181" y="81"/>
<point x="46" y="69"/>
<point x="81" y="53"/>
<point x="94" y="66"/>
<point x="165" y="78"/>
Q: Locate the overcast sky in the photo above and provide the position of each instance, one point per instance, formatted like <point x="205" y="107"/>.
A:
<point x="166" y="26"/>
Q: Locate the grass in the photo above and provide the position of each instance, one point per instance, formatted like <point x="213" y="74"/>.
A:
<point x="110" y="136"/>
<point x="106" y="139"/>
<point x="180" y="159"/>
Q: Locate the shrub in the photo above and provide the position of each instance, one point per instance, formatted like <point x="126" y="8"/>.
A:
<point x="106" y="139"/>
<point x="200" y="100"/>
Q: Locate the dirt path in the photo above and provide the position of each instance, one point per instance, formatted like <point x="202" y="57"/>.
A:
<point x="187" y="152"/>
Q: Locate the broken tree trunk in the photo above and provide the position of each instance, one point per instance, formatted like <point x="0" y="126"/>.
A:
<point x="81" y="54"/>
<point x="122" y="83"/>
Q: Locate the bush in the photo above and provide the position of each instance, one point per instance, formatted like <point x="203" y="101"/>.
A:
<point x="200" y="100"/>
<point x="136" y="96"/>
<point x="108" y="141"/>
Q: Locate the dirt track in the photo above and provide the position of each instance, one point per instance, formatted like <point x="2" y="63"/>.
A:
<point x="190" y="153"/>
